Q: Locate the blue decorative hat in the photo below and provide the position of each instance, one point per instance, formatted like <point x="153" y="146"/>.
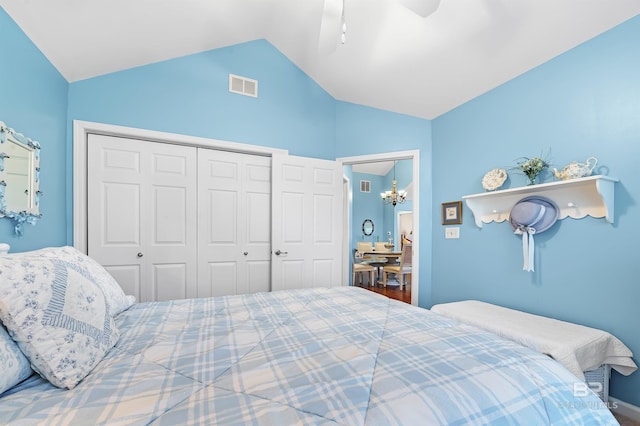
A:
<point x="534" y="212"/>
<point x="532" y="215"/>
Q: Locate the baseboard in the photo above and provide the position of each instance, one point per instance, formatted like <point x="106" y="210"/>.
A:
<point x="624" y="408"/>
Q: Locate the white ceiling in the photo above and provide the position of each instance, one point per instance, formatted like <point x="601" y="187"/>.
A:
<point x="393" y="59"/>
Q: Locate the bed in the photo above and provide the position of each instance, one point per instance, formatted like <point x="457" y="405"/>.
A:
<point x="312" y="356"/>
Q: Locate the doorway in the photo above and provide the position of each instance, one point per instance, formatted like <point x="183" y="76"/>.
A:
<point x="414" y="156"/>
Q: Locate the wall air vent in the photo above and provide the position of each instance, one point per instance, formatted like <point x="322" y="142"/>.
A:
<point x="243" y="85"/>
<point x="365" y="186"/>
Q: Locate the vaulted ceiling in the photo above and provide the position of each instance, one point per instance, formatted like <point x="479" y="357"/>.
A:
<point x="392" y="59"/>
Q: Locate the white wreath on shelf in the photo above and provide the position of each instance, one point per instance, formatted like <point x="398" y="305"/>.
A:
<point x="494" y="179"/>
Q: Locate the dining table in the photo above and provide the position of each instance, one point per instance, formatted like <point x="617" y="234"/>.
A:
<point x="376" y="254"/>
<point x="378" y="259"/>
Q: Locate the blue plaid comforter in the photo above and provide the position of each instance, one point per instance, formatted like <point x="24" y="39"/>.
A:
<point x="310" y="357"/>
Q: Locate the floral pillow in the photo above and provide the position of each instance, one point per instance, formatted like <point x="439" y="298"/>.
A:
<point x="13" y="364"/>
<point x="118" y="301"/>
<point x="57" y="314"/>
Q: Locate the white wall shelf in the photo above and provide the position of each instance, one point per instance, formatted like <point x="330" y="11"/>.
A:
<point x="576" y="198"/>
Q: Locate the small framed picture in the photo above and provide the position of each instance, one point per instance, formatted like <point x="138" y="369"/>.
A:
<point x="452" y="213"/>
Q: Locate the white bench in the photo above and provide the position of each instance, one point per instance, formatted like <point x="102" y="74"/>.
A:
<point x="587" y="352"/>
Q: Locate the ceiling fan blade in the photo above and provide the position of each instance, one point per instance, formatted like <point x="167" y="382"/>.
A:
<point x="330" y="26"/>
<point x="423" y="8"/>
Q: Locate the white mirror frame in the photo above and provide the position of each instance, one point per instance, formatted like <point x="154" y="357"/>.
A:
<point x="30" y="212"/>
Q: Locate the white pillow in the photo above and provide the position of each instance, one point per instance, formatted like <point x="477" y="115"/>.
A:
<point x="13" y="364"/>
<point x="58" y="316"/>
<point x="118" y="301"/>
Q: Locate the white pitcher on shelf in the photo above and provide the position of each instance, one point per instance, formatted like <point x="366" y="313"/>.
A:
<point x="576" y="170"/>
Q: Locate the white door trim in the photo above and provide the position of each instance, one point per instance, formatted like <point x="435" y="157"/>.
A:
<point x="346" y="228"/>
<point x="83" y="128"/>
<point x="401" y="155"/>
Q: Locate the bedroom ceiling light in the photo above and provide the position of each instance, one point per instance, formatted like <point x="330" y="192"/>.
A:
<point x="394" y="196"/>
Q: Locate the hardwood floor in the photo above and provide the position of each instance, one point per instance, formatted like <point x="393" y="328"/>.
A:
<point x="625" y="421"/>
<point x="392" y="292"/>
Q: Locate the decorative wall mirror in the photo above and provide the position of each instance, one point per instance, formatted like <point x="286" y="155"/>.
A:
<point x="367" y="227"/>
<point x="19" y="178"/>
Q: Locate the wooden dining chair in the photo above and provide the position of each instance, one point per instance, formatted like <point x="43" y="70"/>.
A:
<point x="400" y="269"/>
<point x="365" y="247"/>
<point x="359" y="267"/>
<point x="382" y="248"/>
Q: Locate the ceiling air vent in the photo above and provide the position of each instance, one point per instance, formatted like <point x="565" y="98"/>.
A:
<point x="365" y="186"/>
<point x="243" y="85"/>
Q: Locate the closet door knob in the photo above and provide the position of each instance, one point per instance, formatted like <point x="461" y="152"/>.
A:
<point x="246" y="253"/>
<point x="140" y="254"/>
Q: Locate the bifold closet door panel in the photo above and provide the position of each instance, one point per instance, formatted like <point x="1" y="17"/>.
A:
<point x="234" y="223"/>
<point x="142" y="224"/>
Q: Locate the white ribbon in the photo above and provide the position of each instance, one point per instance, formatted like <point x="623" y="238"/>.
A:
<point x="528" y="246"/>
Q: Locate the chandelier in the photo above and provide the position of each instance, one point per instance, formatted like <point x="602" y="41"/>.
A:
<point x="394" y="196"/>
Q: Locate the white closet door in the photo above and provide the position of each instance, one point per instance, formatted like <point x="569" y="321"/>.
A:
<point x="142" y="216"/>
<point x="307" y="223"/>
<point x="234" y="223"/>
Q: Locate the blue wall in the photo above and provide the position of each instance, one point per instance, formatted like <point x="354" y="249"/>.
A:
<point x="33" y="101"/>
<point x="585" y="102"/>
<point x="367" y="206"/>
<point x="190" y="95"/>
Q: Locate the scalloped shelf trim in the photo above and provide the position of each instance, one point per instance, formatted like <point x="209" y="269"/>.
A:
<point x="576" y="198"/>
